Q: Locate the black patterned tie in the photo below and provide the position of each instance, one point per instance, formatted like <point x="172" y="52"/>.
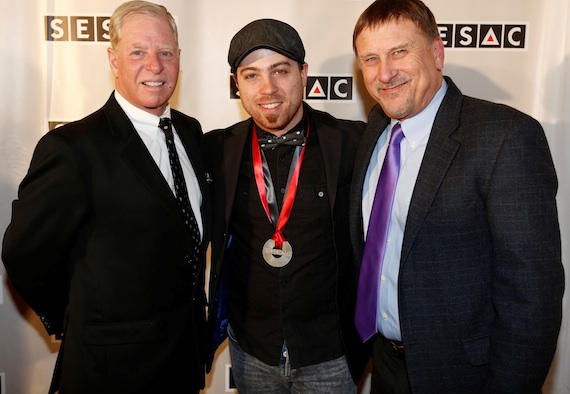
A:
<point x="180" y="187"/>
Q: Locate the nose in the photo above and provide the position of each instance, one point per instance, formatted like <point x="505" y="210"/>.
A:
<point x="154" y="63"/>
<point x="268" y="86"/>
<point x="386" y="72"/>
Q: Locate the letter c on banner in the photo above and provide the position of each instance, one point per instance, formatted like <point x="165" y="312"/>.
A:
<point x="337" y="90"/>
<point x="510" y="36"/>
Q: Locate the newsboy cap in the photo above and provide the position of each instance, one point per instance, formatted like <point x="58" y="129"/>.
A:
<point x="266" y="33"/>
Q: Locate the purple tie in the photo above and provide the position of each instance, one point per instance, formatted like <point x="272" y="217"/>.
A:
<point x="369" y="281"/>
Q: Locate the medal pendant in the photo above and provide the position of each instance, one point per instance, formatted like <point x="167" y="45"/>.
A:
<point x="277" y="257"/>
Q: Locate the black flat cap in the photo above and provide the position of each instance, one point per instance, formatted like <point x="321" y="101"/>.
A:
<point x="266" y="33"/>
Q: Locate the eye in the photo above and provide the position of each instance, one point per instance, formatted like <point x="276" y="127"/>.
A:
<point x="399" y="52"/>
<point x="370" y="60"/>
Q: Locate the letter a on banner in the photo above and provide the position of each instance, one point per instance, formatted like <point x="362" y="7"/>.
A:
<point x="490" y="39"/>
<point x="317" y="90"/>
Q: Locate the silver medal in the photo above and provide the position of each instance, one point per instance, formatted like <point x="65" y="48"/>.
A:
<point x="277" y="257"/>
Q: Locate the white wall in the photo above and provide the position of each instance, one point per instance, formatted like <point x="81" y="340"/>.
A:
<point x="45" y="81"/>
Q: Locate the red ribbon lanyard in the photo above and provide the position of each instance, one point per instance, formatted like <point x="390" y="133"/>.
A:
<point x="291" y="188"/>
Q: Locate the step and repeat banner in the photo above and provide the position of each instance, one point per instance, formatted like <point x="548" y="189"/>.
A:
<point x="55" y="70"/>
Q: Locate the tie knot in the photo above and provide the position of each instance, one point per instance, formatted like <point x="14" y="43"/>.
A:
<point x="397" y="134"/>
<point x="165" y="124"/>
<point x="267" y="142"/>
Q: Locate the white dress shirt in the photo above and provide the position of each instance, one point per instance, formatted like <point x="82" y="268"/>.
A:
<point x="146" y="125"/>
<point x="412" y="148"/>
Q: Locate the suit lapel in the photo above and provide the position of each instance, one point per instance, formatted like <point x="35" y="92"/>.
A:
<point x="330" y="142"/>
<point x="377" y="122"/>
<point x="440" y="151"/>
<point x="234" y="146"/>
<point x="192" y="148"/>
<point x="136" y="155"/>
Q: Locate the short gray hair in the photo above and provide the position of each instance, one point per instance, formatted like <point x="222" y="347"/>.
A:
<point x="138" y="7"/>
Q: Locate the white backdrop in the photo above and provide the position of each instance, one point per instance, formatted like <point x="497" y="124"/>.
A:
<point x="49" y="81"/>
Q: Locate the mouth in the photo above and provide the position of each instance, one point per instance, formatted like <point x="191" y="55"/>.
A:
<point x="270" y="106"/>
<point x="153" y="84"/>
<point x="393" y="87"/>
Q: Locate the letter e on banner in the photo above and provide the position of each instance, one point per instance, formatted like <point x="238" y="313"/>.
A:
<point x="446" y="34"/>
<point x="82" y="28"/>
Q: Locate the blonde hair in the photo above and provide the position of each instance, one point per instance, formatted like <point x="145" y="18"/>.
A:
<point x="138" y="7"/>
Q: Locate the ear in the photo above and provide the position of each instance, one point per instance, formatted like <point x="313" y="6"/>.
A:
<point x="304" y="73"/>
<point x="111" y="55"/>
<point x="438" y="53"/>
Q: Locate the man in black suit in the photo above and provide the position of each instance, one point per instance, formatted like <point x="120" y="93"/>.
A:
<point x="466" y="277"/>
<point x="98" y="244"/>
<point x="282" y="269"/>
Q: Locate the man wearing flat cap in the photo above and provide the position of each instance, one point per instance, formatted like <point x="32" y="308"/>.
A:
<point x="282" y="284"/>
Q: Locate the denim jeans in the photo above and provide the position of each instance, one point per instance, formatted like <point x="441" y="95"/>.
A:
<point x="252" y="376"/>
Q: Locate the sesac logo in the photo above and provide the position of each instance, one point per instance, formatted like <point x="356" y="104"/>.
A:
<point x="483" y="36"/>
<point x="329" y="88"/>
<point x="77" y="28"/>
<point x="318" y="88"/>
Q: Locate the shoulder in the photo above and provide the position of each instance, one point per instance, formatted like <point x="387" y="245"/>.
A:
<point x="219" y="135"/>
<point x="187" y="123"/>
<point x="483" y="110"/>
<point x="322" y="118"/>
<point x="484" y="122"/>
<point x="468" y="117"/>
<point x="479" y="111"/>
<point x="183" y="118"/>
<point x="92" y="125"/>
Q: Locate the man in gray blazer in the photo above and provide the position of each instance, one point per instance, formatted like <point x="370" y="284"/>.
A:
<point x="460" y="275"/>
<point x="98" y="244"/>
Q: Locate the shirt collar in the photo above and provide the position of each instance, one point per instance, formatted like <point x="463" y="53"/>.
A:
<point x="139" y="117"/>
<point x="418" y="127"/>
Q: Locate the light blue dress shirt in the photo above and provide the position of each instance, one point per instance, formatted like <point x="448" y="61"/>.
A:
<point x="412" y="148"/>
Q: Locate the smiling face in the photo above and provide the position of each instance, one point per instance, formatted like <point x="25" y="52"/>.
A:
<point x="271" y="88"/>
<point x="401" y="68"/>
<point x="146" y="62"/>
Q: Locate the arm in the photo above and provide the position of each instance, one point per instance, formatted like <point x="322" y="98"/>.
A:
<point x="41" y="238"/>
<point x="528" y="278"/>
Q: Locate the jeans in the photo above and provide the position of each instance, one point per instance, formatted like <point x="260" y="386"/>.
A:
<point x="252" y="376"/>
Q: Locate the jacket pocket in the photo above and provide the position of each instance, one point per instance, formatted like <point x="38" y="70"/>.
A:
<point x="117" y="333"/>
<point x="477" y="349"/>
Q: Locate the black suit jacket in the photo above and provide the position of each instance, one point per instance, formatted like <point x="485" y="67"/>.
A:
<point x="338" y="140"/>
<point x="97" y="235"/>
<point x="481" y="279"/>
